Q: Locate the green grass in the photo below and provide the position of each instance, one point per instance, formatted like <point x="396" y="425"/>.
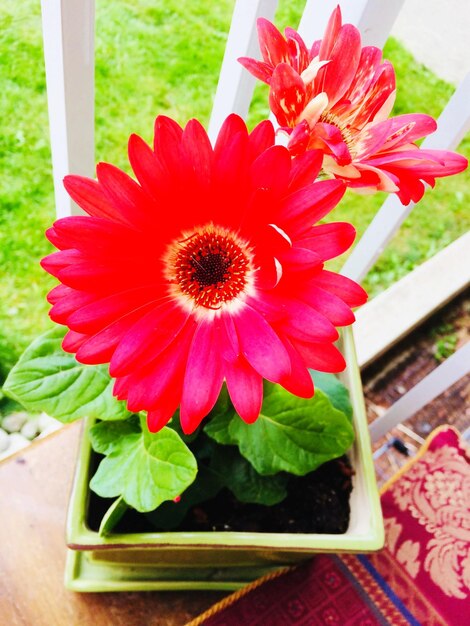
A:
<point x="160" y="57"/>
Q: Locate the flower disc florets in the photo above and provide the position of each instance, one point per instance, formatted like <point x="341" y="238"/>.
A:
<point x="206" y="271"/>
<point x="211" y="266"/>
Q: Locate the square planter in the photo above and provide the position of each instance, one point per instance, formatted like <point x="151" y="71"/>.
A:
<point x="217" y="560"/>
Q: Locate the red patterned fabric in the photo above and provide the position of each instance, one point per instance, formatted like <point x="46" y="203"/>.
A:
<point x="426" y="560"/>
<point x="421" y="577"/>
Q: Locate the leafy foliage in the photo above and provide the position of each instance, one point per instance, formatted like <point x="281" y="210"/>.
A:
<point x="335" y="390"/>
<point x="48" y="379"/>
<point x="246" y="484"/>
<point x="169" y="515"/>
<point x="146" y="469"/>
<point x="291" y="434"/>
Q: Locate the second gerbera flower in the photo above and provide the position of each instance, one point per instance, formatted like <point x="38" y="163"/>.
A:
<point x="336" y="97"/>
<point x="206" y="270"/>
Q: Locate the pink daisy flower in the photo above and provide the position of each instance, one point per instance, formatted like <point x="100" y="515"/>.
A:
<point x="207" y="270"/>
<point x="337" y="97"/>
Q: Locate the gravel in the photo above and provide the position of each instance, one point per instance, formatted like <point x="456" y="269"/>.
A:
<point x="14" y="422"/>
<point x="4" y="440"/>
<point x="19" y="429"/>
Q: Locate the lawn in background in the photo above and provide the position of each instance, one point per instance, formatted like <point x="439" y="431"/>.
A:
<point x="161" y="56"/>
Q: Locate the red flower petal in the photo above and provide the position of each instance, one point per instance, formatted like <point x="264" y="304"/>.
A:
<point x="259" y="69"/>
<point x="299" y="382"/>
<point x="307" y="324"/>
<point x="72" y="341"/>
<point x="90" y="196"/>
<point x="331" y="34"/>
<point x="199" y="151"/>
<point x="323" y="357"/>
<point x="148" y="337"/>
<point x="232" y="165"/>
<point x="261" y="138"/>
<point x="58" y="292"/>
<point x="336" y="77"/>
<point x="297" y="50"/>
<point x="300" y="259"/>
<point x="100" y="347"/>
<point x="67" y="305"/>
<point x="203" y="378"/>
<point x="330" y="240"/>
<point x="329" y="305"/>
<point x="342" y="286"/>
<point x="287" y="95"/>
<point x="309" y="205"/>
<point x="167" y="142"/>
<point x="149" y="171"/>
<point x="232" y="346"/>
<point x="245" y="387"/>
<point x="229" y="129"/>
<point x="94" y="235"/>
<point x="124" y="193"/>
<point x="92" y="317"/>
<point x="366" y="72"/>
<point x="158" y="418"/>
<point x="405" y="129"/>
<point x="271" y="170"/>
<point x="330" y="139"/>
<point x="305" y="169"/>
<point x="57" y="261"/>
<point x="161" y="379"/>
<point x="272" y="44"/>
<point x="261" y="346"/>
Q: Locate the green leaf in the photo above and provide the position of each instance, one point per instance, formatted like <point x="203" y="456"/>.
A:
<point x="170" y="514"/>
<point x="105" y="437"/>
<point x="8" y="406"/>
<point x="293" y="434"/>
<point x="112" y="516"/>
<point x="335" y="390"/>
<point x="219" y="419"/>
<point x="48" y="379"/>
<point x="145" y="468"/>
<point x="218" y="427"/>
<point x="175" y="424"/>
<point x="243" y="480"/>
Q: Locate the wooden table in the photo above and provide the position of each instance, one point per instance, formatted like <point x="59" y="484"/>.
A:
<point x="34" y="491"/>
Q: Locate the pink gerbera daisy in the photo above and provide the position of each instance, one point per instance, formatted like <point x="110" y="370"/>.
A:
<point x="337" y="97"/>
<point x="206" y="270"/>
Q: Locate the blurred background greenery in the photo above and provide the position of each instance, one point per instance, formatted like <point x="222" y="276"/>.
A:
<point x="163" y="56"/>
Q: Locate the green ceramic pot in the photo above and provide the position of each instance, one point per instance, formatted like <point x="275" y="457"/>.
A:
<point x="217" y="560"/>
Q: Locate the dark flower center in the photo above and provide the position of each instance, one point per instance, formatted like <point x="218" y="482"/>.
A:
<point x="211" y="266"/>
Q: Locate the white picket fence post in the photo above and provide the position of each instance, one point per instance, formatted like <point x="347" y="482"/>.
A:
<point x="236" y="84"/>
<point x="435" y="383"/>
<point x="373" y="18"/>
<point x="68" y="34"/>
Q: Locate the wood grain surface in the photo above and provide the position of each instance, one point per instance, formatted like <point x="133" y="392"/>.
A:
<point x="34" y="492"/>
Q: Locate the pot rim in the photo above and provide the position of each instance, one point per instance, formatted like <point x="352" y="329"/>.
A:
<point x="363" y="535"/>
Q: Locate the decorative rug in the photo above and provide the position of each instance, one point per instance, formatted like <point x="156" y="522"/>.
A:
<point x="421" y="576"/>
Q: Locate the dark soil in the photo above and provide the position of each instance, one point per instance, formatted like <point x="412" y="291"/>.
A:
<point x="316" y="503"/>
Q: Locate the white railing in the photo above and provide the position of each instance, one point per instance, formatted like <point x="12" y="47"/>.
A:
<point x="68" y="28"/>
<point x="68" y="34"/>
